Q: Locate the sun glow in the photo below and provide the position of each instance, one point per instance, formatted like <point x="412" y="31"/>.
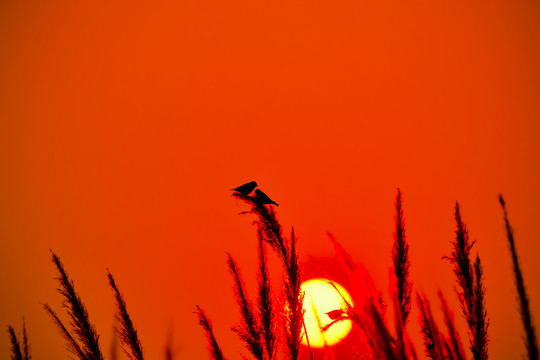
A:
<point x="322" y="304"/>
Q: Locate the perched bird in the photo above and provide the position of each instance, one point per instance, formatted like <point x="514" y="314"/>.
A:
<point x="263" y="198"/>
<point x="335" y="314"/>
<point x="246" y="188"/>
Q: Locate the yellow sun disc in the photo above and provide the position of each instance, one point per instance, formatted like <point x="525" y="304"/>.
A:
<point x="320" y="304"/>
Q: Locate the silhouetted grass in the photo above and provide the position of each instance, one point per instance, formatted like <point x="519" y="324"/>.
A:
<point x="258" y="328"/>
<point x="16" y="353"/>
<point x="72" y="345"/>
<point x="128" y="334"/>
<point x="26" y="343"/>
<point x="249" y="330"/>
<point x="19" y="352"/>
<point x="456" y="347"/>
<point x="369" y="315"/>
<point x="430" y="332"/>
<point x="481" y="322"/>
<point x="528" y="325"/>
<point x="214" y="349"/>
<point x="401" y="345"/>
<point x="83" y="330"/>
<point x="471" y="292"/>
<point x="463" y="269"/>
<point x="269" y="228"/>
<point x="400" y="257"/>
<point x="265" y="303"/>
<point x="384" y="342"/>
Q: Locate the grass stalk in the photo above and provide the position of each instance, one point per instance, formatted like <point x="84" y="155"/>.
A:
<point x="269" y="227"/>
<point x="400" y="345"/>
<point x="72" y="345"/>
<point x="460" y="257"/>
<point x="471" y="292"/>
<point x="456" y="346"/>
<point x="481" y="322"/>
<point x="400" y="257"/>
<point x="265" y="303"/>
<point x="16" y="353"/>
<point x="526" y="317"/>
<point x="26" y="344"/>
<point x="131" y="344"/>
<point x="214" y="349"/>
<point x="430" y="333"/>
<point x="249" y="330"/>
<point x="80" y="323"/>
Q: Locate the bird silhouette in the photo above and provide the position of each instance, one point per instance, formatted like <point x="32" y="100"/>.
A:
<point x="246" y="188"/>
<point x="335" y="314"/>
<point x="263" y="198"/>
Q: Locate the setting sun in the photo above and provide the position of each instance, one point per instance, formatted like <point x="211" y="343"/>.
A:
<point x="322" y="304"/>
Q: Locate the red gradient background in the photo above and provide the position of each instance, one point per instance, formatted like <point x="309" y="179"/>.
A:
<point x="123" y="124"/>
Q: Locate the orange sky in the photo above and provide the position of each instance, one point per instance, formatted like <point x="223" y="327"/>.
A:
<point x="122" y="125"/>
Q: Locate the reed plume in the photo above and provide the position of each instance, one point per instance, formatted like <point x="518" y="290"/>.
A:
<point x="456" y="347"/>
<point x="249" y="330"/>
<point x="131" y="344"/>
<point x="269" y="227"/>
<point x="460" y="257"/>
<point x="295" y="300"/>
<point x="526" y="317"/>
<point x="400" y="257"/>
<point x="433" y="347"/>
<point x="400" y="342"/>
<point x="481" y="322"/>
<point x="72" y="345"/>
<point x="16" y="353"/>
<point x="19" y="352"/>
<point x="265" y="303"/>
<point x="214" y="349"/>
<point x="382" y="341"/>
<point x="83" y="330"/>
<point x="368" y="313"/>
<point x="26" y="344"/>
<point x="471" y="292"/>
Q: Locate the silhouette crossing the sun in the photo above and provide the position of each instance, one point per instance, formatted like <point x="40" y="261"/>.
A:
<point x="246" y="189"/>
<point x="335" y="314"/>
<point x="263" y="198"/>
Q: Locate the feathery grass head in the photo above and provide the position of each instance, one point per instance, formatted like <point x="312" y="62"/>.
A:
<point x="480" y="349"/>
<point x="16" y="353"/>
<point x="19" y="352"/>
<point x="526" y="316"/>
<point x="214" y="349"/>
<point x="26" y="343"/>
<point x="267" y="224"/>
<point x="131" y="344"/>
<point x="460" y="257"/>
<point x="400" y="257"/>
<point x="470" y="290"/>
<point x="456" y="347"/>
<point x="249" y="330"/>
<point x="264" y="302"/>
<point x="269" y="228"/>
<point x="294" y="301"/>
<point x="82" y="328"/>
<point x="72" y="345"/>
<point x="433" y="346"/>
